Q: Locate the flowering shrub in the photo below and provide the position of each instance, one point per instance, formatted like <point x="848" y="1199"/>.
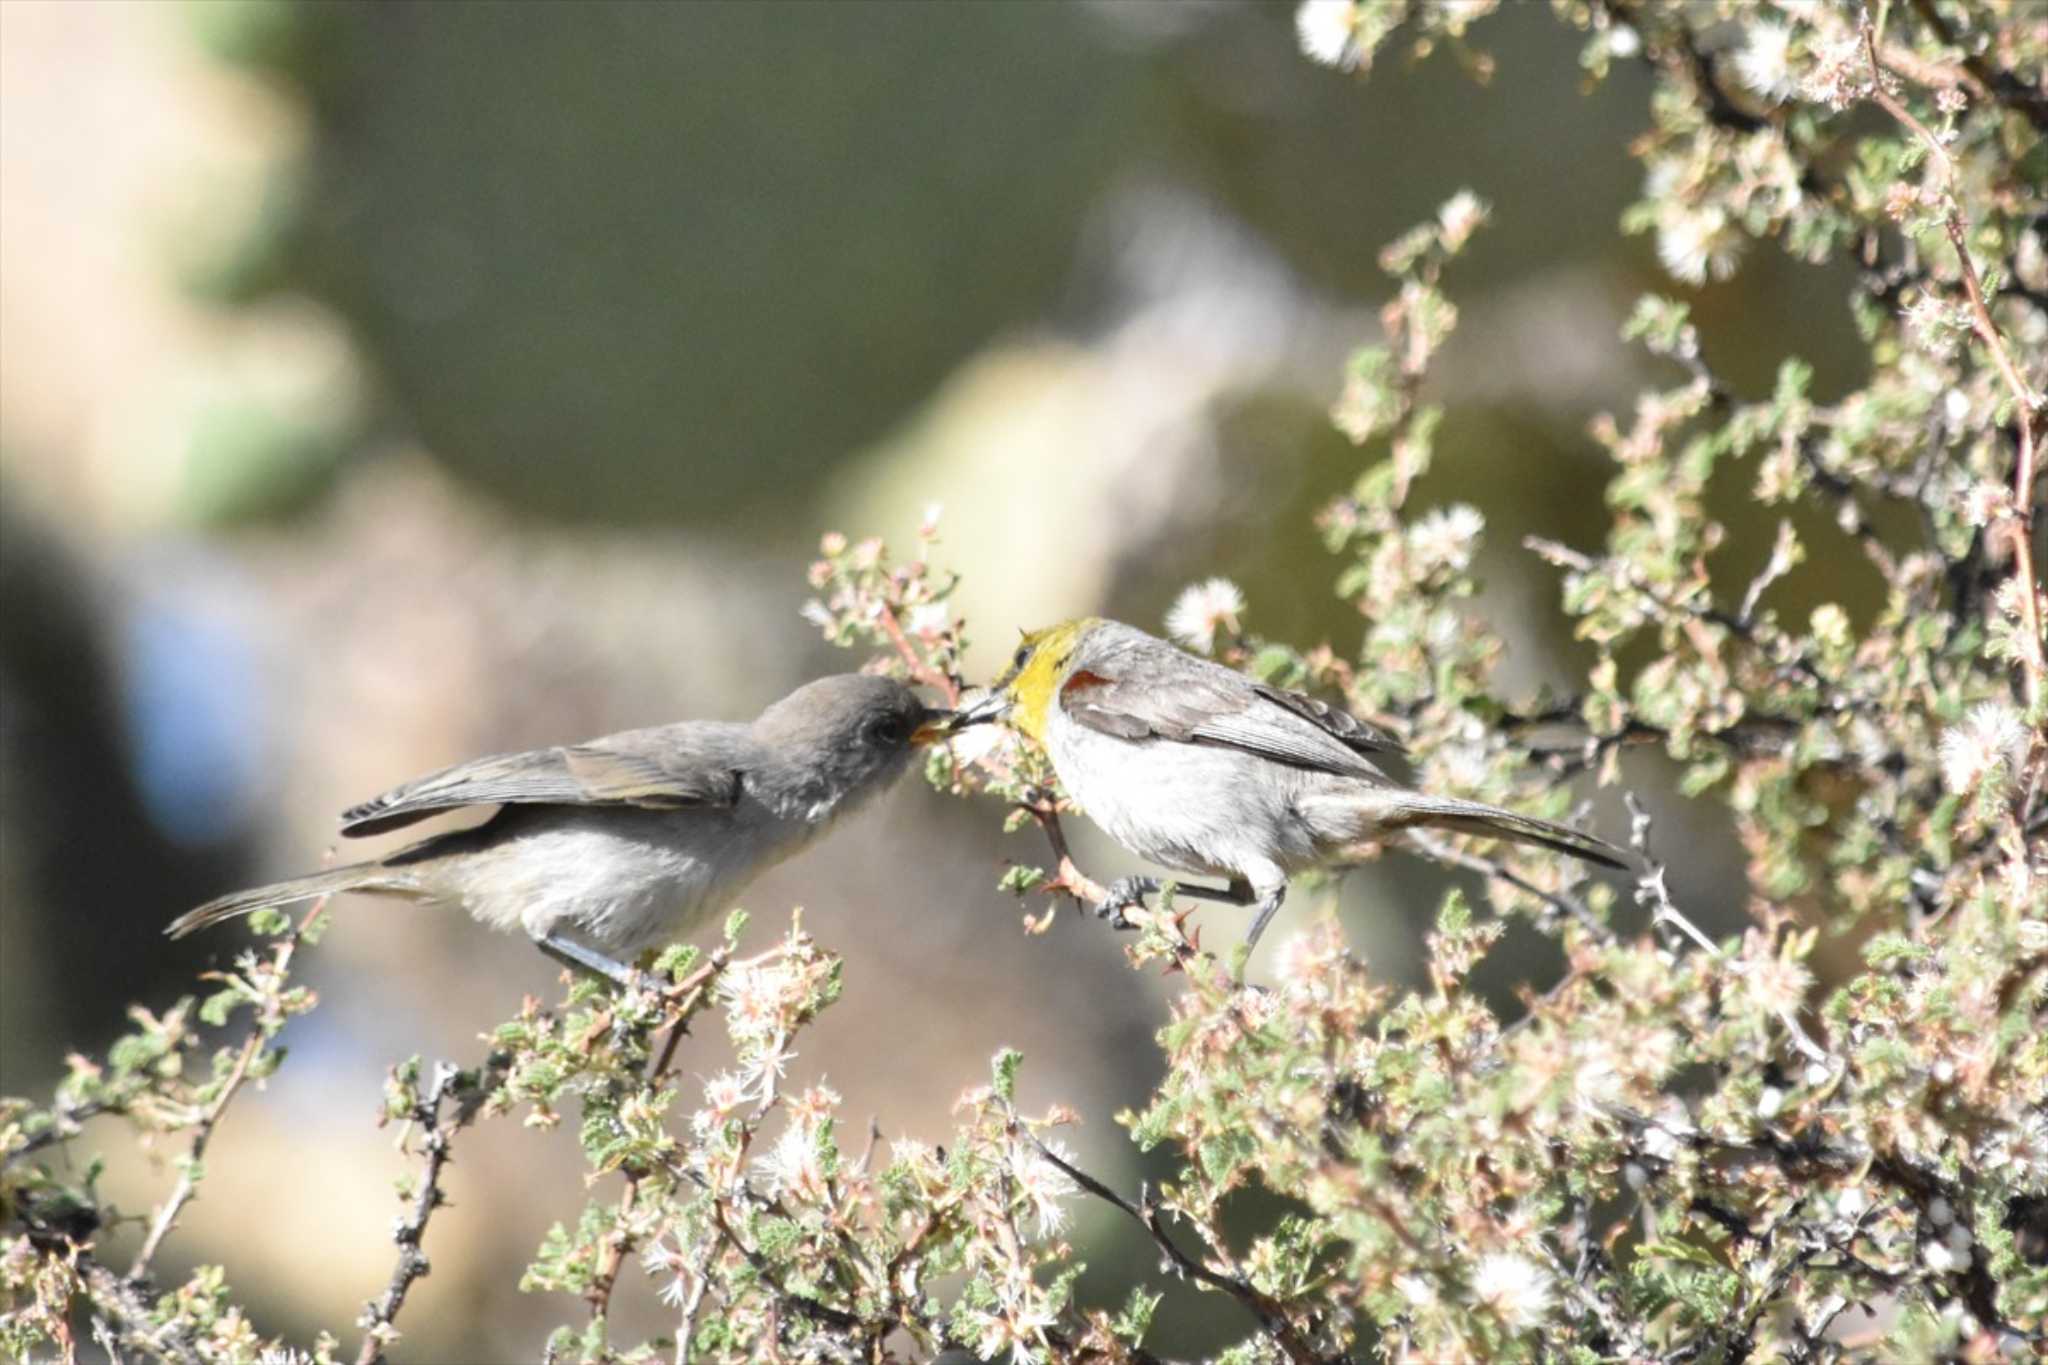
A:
<point x="1682" y="1148"/>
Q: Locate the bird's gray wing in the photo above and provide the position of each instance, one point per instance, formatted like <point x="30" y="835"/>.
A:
<point x="1146" y="694"/>
<point x="1341" y="724"/>
<point x="693" y="764"/>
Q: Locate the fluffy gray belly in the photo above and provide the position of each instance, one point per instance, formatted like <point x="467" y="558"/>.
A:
<point x="1197" y="808"/>
<point x="620" y="879"/>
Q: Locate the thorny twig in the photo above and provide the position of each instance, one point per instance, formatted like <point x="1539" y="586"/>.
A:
<point x="410" y="1230"/>
<point x="1795" y="666"/>
<point x="1653" y="893"/>
<point x="1067" y="875"/>
<point x="1146" y="1213"/>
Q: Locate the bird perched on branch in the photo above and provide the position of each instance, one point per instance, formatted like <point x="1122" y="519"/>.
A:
<point x="602" y="849"/>
<point x="1198" y="768"/>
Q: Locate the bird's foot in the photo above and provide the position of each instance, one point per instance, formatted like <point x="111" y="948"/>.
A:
<point x="1123" y="893"/>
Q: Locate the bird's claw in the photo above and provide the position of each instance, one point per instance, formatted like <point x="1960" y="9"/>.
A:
<point x="1121" y="895"/>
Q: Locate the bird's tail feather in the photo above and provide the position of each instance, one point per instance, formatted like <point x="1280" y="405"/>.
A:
<point x="356" y="876"/>
<point x="1473" y="817"/>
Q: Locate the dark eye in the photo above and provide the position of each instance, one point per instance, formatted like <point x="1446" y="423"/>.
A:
<point x="1023" y="656"/>
<point x="889" y="731"/>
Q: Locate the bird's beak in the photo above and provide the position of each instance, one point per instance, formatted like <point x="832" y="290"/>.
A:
<point x="937" y="725"/>
<point x="994" y="706"/>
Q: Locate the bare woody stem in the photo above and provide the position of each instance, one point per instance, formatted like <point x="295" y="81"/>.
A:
<point x="411" y="1230"/>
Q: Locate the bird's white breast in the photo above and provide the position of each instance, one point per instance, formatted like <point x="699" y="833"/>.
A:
<point x="625" y="879"/>
<point x="1198" y="808"/>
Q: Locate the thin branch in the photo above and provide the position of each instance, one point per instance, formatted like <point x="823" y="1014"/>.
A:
<point x="2000" y="84"/>
<point x="2025" y="400"/>
<point x="121" y="1298"/>
<point x="1487" y="867"/>
<point x="411" y="1229"/>
<point x="683" y="1000"/>
<point x="612" y="1257"/>
<point x="920" y="671"/>
<point x="65" y="1124"/>
<point x="1146" y="1214"/>
<point x="1653" y="893"/>
<point x="1067" y="875"/>
<point x="188" y="1176"/>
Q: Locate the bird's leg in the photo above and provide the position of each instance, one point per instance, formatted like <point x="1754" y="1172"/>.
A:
<point x="1121" y="894"/>
<point x="1269" y="906"/>
<point x="1128" y="891"/>
<point x="576" y="956"/>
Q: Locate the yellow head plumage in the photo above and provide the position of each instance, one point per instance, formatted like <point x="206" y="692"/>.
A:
<point x="1037" y="670"/>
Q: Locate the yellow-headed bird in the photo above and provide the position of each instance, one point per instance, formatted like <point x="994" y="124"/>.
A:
<point x="1198" y="768"/>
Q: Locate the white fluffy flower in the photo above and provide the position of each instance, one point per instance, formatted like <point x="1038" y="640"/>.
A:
<point x="1990" y="740"/>
<point x="1460" y="216"/>
<point x="669" y="1264"/>
<point x="1043" y="1185"/>
<point x="794" y="1166"/>
<point x="927" y="619"/>
<point x="1694" y="243"/>
<point x="1446" y="537"/>
<point x="1765" y="62"/>
<point x="1837" y="76"/>
<point x="1323" y="28"/>
<point x="1416" y="1290"/>
<point x="1201" y="609"/>
<point x="1515" y="1288"/>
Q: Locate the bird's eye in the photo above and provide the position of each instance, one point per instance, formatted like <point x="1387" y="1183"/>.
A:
<point x="889" y="731"/>
<point x="1023" y="656"/>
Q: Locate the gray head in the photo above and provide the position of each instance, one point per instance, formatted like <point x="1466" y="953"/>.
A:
<point x="840" y="739"/>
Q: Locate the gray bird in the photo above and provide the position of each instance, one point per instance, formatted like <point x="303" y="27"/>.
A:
<point x="600" y="850"/>
<point x="1198" y="768"/>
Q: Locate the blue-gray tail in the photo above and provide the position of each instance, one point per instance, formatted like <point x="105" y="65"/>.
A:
<point x="1473" y="817"/>
<point x="1368" y="814"/>
<point x="354" y="877"/>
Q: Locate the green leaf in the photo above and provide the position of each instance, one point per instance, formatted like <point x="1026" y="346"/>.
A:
<point x="1005" y="1069"/>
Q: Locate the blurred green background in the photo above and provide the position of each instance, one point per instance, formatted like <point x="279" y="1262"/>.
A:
<point x="386" y="384"/>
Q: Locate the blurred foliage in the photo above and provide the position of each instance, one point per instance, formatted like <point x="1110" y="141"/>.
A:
<point x="1682" y="1149"/>
<point x="565" y="232"/>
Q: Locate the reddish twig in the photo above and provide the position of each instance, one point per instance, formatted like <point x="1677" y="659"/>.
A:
<point x="920" y="671"/>
<point x="2020" y="518"/>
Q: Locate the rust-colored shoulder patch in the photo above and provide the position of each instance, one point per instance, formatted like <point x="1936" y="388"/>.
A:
<point x="1083" y="680"/>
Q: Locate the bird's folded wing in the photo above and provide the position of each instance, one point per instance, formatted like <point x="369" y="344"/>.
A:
<point x="1341" y="724"/>
<point x="663" y="770"/>
<point x="1210" y="704"/>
